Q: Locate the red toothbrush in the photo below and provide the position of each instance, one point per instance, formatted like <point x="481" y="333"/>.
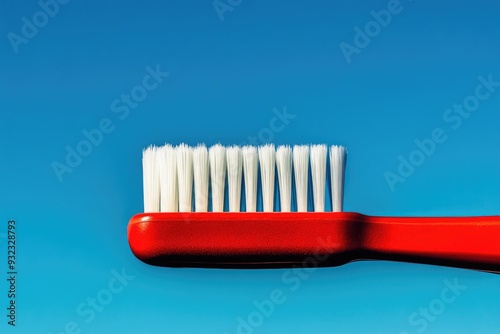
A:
<point x="284" y="239"/>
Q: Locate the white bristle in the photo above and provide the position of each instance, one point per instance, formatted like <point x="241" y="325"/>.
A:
<point x="217" y="157"/>
<point x="167" y="165"/>
<point x="284" y="167"/>
<point x="301" y="171"/>
<point x="338" y="157"/>
<point x="250" y="167"/>
<point x="184" y="155"/>
<point x="171" y="173"/>
<point x="267" y="171"/>
<point x="151" y="180"/>
<point x="318" y="174"/>
<point x="234" y="170"/>
<point x="200" y="168"/>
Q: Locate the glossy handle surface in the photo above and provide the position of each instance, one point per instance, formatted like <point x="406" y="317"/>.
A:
<point x="278" y="239"/>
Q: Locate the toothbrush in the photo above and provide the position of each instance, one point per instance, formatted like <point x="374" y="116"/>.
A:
<point x="177" y="231"/>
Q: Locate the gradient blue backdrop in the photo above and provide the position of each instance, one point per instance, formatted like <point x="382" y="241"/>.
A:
<point x="226" y="77"/>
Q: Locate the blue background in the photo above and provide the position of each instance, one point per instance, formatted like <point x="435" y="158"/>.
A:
<point x="226" y="77"/>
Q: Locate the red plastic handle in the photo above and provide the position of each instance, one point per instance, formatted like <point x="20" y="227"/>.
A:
<point x="321" y="239"/>
<point x="466" y="242"/>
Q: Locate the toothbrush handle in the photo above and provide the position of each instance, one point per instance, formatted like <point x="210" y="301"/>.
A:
<point x="281" y="239"/>
<point x="465" y="242"/>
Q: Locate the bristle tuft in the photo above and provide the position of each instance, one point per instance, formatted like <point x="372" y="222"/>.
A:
<point x="151" y="180"/>
<point x="338" y="158"/>
<point x="167" y="165"/>
<point x="217" y="157"/>
<point x="234" y="170"/>
<point x="201" y="170"/>
<point x="318" y="174"/>
<point x="184" y="155"/>
<point x="284" y="167"/>
<point x="250" y="169"/>
<point x="301" y="175"/>
<point x="267" y="172"/>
